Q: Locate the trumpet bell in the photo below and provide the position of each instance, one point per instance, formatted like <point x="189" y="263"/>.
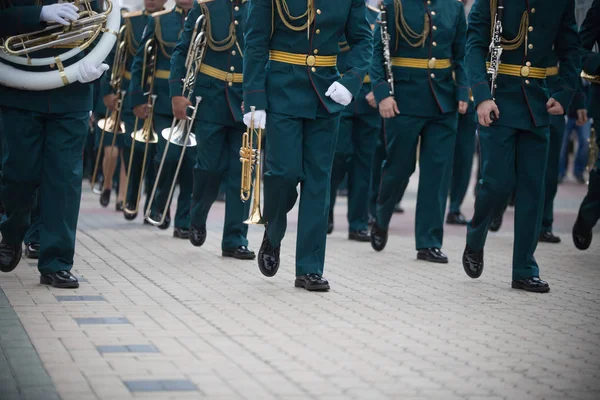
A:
<point x="141" y="135"/>
<point x="108" y="125"/>
<point x="255" y="218"/>
<point x="178" y="136"/>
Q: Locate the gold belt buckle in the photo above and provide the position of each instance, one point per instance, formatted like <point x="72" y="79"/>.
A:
<point x="311" y="61"/>
<point x="525" y="71"/>
<point x="431" y="63"/>
<point x="229" y="77"/>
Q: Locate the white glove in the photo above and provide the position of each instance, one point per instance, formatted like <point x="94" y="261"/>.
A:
<point x="88" y="72"/>
<point x="63" y="13"/>
<point x="339" y="94"/>
<point x="260" y="119"/>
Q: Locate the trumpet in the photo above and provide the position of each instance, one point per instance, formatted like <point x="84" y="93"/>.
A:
<point x="146" y="134"/>
<point x="112" y="123"/>
<point x="590" y="78"/>
<point x="180" y="132"/>
<point x="593" y="150"/>
<point x="250" y="159"/>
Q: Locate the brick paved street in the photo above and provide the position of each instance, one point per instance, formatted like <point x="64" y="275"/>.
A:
<point x="156" y="318"/>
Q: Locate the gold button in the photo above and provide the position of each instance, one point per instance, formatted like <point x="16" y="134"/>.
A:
<point x="525" y="71"/>
<point x="431" y="63"/>
<point x="428" y="2"/>
<point x="533" y="10"/>
<point x="52" y="65"/>
<point x="236" y="22"/>
<point x="230" y="83"/>
<point x="433" y="13"/>
<point x="232" y="68"/>
<point x="432" y="75"/>
<point x="316" y="51"/>
<point x="527" y="81"/>
<point x="313" y="69"/>
<point x="233" y="52"/>
<point x="530" y="29"/>
<point x="318" y="11"/>
<point x="530" y="46"/>
<point x="236" y="8"/>
<point x="318" y="31"/>
<point x="434" y="44"/>
<point x="528" y="63"/>
<point x="435" y="28"/>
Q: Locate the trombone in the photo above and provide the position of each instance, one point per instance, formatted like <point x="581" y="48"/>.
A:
<point x="146" y="135"/>
<point x="110" y="122"/>
<point x="180" y="132"/>
<point x="250" y="159"/>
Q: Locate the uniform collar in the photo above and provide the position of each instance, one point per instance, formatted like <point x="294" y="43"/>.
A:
<point x="178" y="10"/>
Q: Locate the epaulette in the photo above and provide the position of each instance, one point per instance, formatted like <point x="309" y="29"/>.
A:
<point x="163" y="12"/>
<point x="370" y="7"/>
<point x="133" y="14"/>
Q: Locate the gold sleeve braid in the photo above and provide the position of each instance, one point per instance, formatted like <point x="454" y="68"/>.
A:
<point x="288" y="19"/>
<point x="406" y="31"/>
<point x="521" y="37"/>
<point x="219" y="45"/>
<point x="161" y="43"/>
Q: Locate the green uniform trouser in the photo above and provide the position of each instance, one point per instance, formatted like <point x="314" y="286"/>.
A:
<point x="135" y="175"/>
<point x="354" y="156"/>
<point x="511" y="159"/>
<point x="589" y="211"/>
<point x="557" y="129"/>
<point x="217" y="162"/>
<point x="33" y="233"/>
<point x="43" y="151"/>
<point x="300" y="151"/>
<point x="185" y="178"/>
<point x="377" y="166"/>
<point x="463" y="160"/>
<point x="438" y="135"/>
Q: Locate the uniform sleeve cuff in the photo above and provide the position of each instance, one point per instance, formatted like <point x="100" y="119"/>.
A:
<point x="564" y="97"/>
<point x="352" y="81"/>
<point x="481" y="92"/>
<point x="256" y="98"/>
<point x="381" y="91"/>
<point x="462" y="94"/>
<point x="578" y="102"/>
<point x="137" y="98"/>
<point x="592" y="64"/>
<point x="175" y="88"/>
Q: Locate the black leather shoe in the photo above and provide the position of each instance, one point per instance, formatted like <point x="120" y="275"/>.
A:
<point x="131" y="216"/>
<point x="472" y="262"/>
<point x="548" y="237"/>
<point x="181" y="233"/>
<point x="581" y="239"/>
<point x="496" y="224"/>
<point x="398" y="209"/>
<point x="9" y="256"/>
<point x="197" y="235"/>
<point x="456" y="218"/>
<point x="312" y="282"/>
<point x="165" y="225"/>
<point x="379" y="237"/>
<point x="360" y="236"/>
<point x="268" y="257"/>
<point x="105" y="198"/>
<point x="534" y="284"/>
<point x="32" y="251"/>
<point x="240" y="252"/>
<point x="432" y="254"/>
<point x="60" y="279"/>
<point x="330" y="224"/>
<point x="119" y="206"/>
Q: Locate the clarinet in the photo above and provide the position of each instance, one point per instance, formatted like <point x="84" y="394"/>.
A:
<point x="495" y="51"/>
<point x="385" y="39"/>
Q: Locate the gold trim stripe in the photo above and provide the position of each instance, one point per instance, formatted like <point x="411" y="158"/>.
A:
<point x="221" y="75"/>
<point x="302" y="59"/>
<point x="162" y="74"/>
<point x="61" y="70"/>
<point x="551" y="71"/>
<point x="422" y="63"/>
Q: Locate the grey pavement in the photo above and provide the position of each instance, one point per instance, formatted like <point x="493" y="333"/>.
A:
<point x="156" y="318"/>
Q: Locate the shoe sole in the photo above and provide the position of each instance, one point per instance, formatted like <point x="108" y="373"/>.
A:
<point x="32" y="256"/>
<point x="548" y="241"/>
<point x="46" y="281"/>
<point x="11" y="268"/>
<point x="231" y="255"/>
<point x="581" y="245"/>
<point x="532" y="290"/>
<point x="180" y="236"/>
<point x="318" y="288"/>
<point x="355" y="239"/>
<point x="433" y="260"/>
<point x="468" y="271"/>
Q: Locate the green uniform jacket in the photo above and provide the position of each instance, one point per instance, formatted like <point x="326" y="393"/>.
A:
<point x="297" y="90"/>
<point x="164" y="27"/>
<point x="135" y="22"/>
<point x="421" y="91"/>
<point x="556" y="84"/>
<point x="74" y="97"/>
<point x="22" y="17"/>
<point x="590" y="35"/>
<point x="522" y="101"/>
<point x="221" y="102"/>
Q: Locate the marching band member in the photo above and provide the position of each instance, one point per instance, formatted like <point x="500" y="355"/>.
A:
<point x="290" y="77"/>
<point x="513" y="127"/>
<point x="219" y="120"/>
<point x="49" y="127"/>
<point x="426" y="46"/>
<point x="164" y="27"/>
<point x="589" y="211"/>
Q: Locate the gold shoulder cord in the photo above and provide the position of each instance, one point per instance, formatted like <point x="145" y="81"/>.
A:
<point x="288" y="19"/>
<point x="521" y="37"/>
<point x="406" y="32"/>
<point x="132" y="44"/>
<point x="219" y="45"/>
<point x="159" y="39"/>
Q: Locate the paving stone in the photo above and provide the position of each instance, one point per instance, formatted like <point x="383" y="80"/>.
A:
<point x="160" y="385"/>
<point x="80" y="298"/>
<point x="102" y="321"/>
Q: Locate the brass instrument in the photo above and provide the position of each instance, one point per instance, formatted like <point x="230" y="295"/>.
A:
<point x="110" y="123"/>
<point x="146" y="134"/>
<point x="250" y="159"/>
<point x="590" y="78"/>
<point x="180" y="132"/>
<point x="593" y="150"/>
